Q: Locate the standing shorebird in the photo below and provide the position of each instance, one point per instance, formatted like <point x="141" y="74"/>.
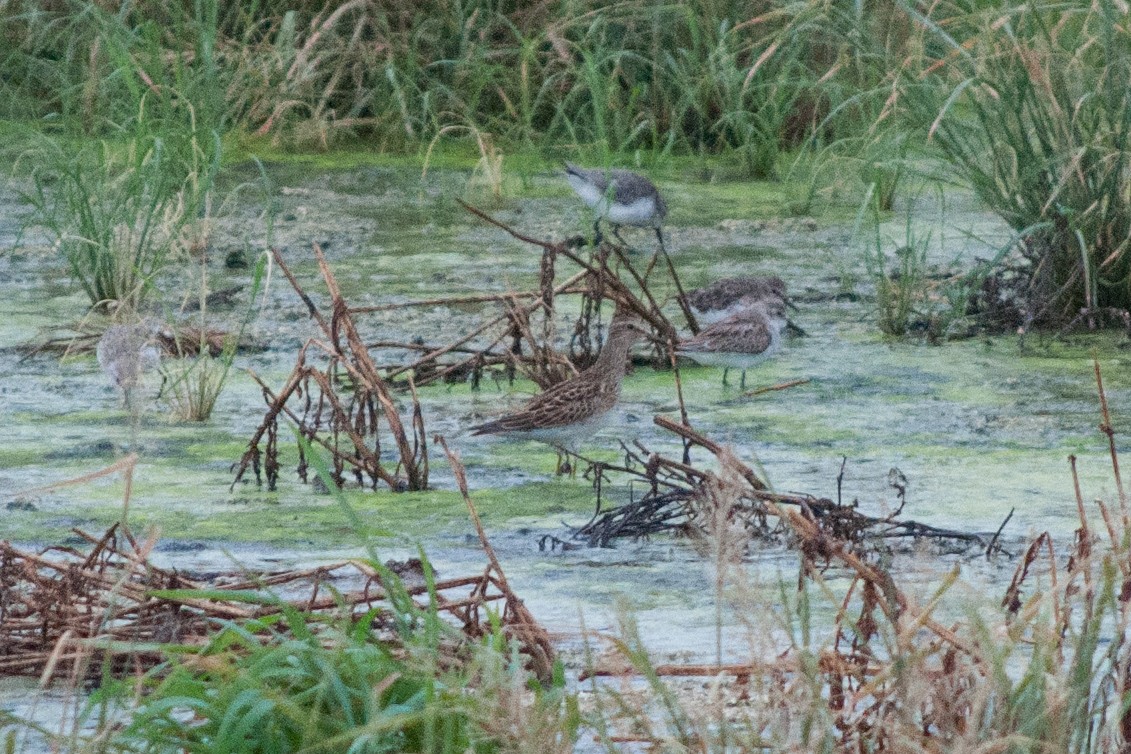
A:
<point x="125" y="353"/>
<point x="725" y="297"/>
<point x="741" y="340"/>
<point x="571" y="411"/>
<point x="624" y="197"/>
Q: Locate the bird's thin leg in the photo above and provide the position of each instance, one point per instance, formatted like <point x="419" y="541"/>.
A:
<point x="742" y="382"/>
<point x="597" y="237"/>
<point x="660" y="238"/>
<point x="725" y="370"/>
<point x="616" y="234"/>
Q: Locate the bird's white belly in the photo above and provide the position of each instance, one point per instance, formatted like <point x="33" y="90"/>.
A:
<point x="641" y="212"/>
<point x="569" y="437"/>
<point x="729" y="360"/>
<point x="590" y="194"/>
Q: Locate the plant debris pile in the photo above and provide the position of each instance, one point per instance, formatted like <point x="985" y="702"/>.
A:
<point x="893" y="675"/>
<point x="679" y="497"/>
<point x="72" y="613"/>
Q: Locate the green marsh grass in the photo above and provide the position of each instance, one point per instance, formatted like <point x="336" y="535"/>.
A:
<point x="312" y="688"/>
<point x="901" y="282"/>
<point x="1030" y="106"/>
<point x="701" y="77"/>
<point x="116" y="212"/>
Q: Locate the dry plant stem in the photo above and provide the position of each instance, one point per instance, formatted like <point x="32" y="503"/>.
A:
<point x="366" y="459"/>
<point x="827" y="662"/>
<point x="310" y="307"/>
<point x="76" y="606"/>
<point x="433" y="355"/>
<point x="1053" y="582"/>
<point x="713" y="447"/>
<point x="533" y="637"/>
<point x="278" y="404"/>
<point x="772" y="388"/>
<point x="126" y="463"/>
<point x="353" y="356"/>
<point x="418" y="428"/>
<point x="692" y="324"/>
<point x="620" y="292"/>
<point x="1085" y="540"/>
<point x="626" y="264"/>
<point x="683" y="417"/>
<point x="362" y="365"/>
<point x="1107" y="429"/>
<point x="546" y="274"/>
<point x="425" y="348"/>
<point x="484" y="298"/>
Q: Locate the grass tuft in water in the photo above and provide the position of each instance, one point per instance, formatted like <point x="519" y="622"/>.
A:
<point x="1030" y="106"/>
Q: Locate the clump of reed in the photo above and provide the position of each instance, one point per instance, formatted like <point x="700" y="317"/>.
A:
<point x="1029" y="104"/>
<point x="116" y="212"/>
<point x="194" y="381"/>
<point x="124" y="205"/>
<point x="903" y="285"/>
<point x="698" y="78"/>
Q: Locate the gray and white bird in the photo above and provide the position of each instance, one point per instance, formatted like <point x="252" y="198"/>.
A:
<point x="740" y="341"/>
<point x="125" y="353"/>
<point x="621" y="196"/>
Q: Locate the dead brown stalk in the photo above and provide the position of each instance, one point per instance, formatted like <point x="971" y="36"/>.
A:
<point x="355" y="415"/>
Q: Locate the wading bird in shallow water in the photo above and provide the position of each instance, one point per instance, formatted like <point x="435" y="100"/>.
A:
<point x="621" y="196"/>
<point x="125" y="353"/>
<point x="741" y="340"/>
<point x="571" y="411"/>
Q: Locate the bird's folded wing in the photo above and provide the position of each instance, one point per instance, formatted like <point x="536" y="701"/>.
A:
<point x="731" y="337"/>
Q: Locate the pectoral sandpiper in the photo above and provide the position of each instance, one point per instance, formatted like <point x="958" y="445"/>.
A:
<point x="624" y="197"/>
<point x="741" y="340"/>
<point x="572" y="411"/>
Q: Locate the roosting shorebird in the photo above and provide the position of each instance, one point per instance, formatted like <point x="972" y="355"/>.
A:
<point x="125" y="353"/>
<point x="621" y="196"/>
<point x="571" y="411"/>
<point x="746" y="337"/>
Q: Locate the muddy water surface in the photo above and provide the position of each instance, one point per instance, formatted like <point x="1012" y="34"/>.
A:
<point x="978" y="427"/>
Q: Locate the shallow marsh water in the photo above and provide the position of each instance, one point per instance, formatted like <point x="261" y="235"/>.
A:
<point x="978" y="426"/>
